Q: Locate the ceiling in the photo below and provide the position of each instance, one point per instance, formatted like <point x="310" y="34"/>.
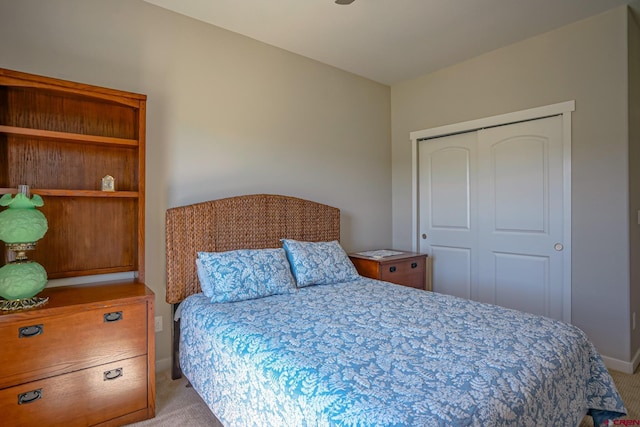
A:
<point x="389" y="41"/>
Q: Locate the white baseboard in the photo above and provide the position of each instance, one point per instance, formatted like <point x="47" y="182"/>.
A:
<point x="163" y="364"/>
<point x="622" y="366"/>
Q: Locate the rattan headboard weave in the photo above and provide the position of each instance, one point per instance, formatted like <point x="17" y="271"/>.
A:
<point x="243" y="222"/>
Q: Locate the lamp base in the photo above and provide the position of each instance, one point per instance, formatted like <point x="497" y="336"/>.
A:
<point x="21" y="280"/>
<point x="22" y="304"/>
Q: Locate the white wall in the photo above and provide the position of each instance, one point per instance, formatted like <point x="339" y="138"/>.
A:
<point x="227" y="115"/>
<point x="585" y="62"/>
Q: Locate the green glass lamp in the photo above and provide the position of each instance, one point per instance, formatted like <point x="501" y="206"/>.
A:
<point x="21" y="226"/>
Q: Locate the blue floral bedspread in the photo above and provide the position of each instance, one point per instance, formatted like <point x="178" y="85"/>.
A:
<point x="369" y="353"/>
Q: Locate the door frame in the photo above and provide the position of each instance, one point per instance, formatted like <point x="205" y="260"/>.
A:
<point x="565" y="109"/>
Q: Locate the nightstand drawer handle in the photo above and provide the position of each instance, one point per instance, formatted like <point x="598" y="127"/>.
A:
<point x="414" y="265"/>
<point x="113" y="317"/>
<point x="112" y="374"/>
<point x="30" y="396"/>
<point x="30" y="331"/>
<point x="392" y="269"/>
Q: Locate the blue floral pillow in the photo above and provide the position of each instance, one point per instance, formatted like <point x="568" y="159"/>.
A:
<point x="244" y="274"/>
<point x="319" y="263"/>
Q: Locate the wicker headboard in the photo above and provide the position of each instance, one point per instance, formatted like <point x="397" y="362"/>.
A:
<point x="243" y="222"/>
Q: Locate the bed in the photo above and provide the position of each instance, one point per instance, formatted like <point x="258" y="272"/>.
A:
<point x="317" y="345"/>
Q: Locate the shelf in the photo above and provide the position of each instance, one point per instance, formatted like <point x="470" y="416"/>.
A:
<point x="68" y="137"/>
<point x="75" y="193"/>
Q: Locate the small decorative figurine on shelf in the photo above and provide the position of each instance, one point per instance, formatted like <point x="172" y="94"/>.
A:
<point x="21" y="226"/>
<point x="108" y="183"/>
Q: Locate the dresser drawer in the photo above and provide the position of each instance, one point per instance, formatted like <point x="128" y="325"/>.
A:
<point x="52" y="345"/>
<point x="409" y="272"/>
<point x="80" y="398"/>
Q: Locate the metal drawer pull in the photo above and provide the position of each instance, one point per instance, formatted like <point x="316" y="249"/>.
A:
<point x="113" y="316"/>
<point x="30" y="331"/>
<point x="30" y="396"/>
<point x="414" y="264"/>
<point x="112" y="374"/>
<point x="392" y="269"/>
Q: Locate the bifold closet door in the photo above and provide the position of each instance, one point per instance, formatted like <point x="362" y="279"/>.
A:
<point x="502" y="189"/>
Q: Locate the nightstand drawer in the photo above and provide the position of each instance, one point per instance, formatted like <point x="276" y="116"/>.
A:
<point x="404" y="272"/>
<point x="81" y="398"/>
<point x="53" y="345"/>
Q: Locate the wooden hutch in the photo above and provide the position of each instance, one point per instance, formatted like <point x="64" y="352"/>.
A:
<point x="87" y="357"/>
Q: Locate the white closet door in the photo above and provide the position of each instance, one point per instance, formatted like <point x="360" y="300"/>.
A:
<point x="520" y="182"/>
<point x="448" y="203"/>
<point x="491" y="215"/>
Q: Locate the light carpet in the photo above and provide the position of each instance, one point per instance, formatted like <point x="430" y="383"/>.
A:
<point x="178" y="405"/>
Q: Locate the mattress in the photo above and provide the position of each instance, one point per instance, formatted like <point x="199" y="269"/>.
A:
<point x="371" y="353"/>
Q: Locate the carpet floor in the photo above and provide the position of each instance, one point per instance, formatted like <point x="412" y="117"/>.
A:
<point x="178" y="405"/>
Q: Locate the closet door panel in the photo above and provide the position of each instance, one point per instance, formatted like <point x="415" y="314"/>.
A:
<point x="448" y="212"/>
<point x="449" y="188"/>
<point x="519" y="190"/>
<point x="452" y="272"/>
<point x="520" y="209"/>
<point x="522" y="282"/>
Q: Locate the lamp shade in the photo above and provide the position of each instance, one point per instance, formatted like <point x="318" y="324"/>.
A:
<point x="22" y="223"/>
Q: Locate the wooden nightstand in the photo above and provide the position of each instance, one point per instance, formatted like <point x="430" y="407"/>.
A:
<point x="408" y="268"/>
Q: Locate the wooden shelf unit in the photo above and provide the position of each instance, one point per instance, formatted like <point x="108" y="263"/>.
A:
<point x="61" y="138"/>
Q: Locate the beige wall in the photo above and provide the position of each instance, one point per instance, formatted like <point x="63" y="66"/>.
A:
<point x="634" y="166"/>
<point x="585" y="62"/>
<point x="227" y="115"/>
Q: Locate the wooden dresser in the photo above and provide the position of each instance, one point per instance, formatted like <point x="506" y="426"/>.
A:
<point x="407" y="268"/>
<point x="86" y="358"/>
